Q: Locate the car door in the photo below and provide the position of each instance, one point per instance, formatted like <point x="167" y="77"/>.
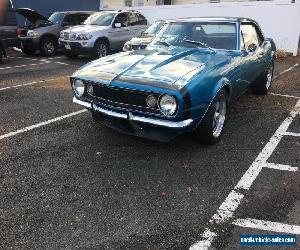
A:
<point x="120" y="32"/>
<point x="253" y="52"/>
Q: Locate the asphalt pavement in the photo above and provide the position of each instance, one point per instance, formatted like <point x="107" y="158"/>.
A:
<point x="72" y="183"/>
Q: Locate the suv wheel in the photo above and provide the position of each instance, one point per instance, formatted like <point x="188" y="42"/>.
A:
<point x="29" y="51"/>
<point x="48" y="47"/>
<point x="100" y="49"/>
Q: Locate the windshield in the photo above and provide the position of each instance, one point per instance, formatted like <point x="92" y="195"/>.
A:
<point x="56" y="18"/>
<point x="101" y="19"/>
<point x="216" y="35"/>
<point x="154" y="28"/>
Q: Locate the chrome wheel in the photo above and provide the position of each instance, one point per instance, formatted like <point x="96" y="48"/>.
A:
<point x="269" y="77"/>
<point x="101" y="50"/>
<point x="49" y="47"/>
<point x="219" y="116"/>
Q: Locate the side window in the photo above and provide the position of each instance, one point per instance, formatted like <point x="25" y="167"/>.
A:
<point x="142" y="20"/>
<point x="250" y="35"/>
<point x="123" y="19"/>
<point x="70" y="20"/>
<point x="81" y="18"/>
<point x="133" y="19"/>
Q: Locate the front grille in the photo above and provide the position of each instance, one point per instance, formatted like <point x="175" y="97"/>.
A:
<point x="124" y="98"/>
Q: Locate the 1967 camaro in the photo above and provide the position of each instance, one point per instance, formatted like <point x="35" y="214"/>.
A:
<point x="182" y="82"/>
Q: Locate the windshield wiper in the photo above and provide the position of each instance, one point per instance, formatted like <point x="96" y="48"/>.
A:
<point x="200" y="43"/>
<point x="163" y="43"/>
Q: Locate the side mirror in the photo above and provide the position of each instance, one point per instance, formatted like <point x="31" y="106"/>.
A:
<point x="117" y="25"/>
<point x="252" y="47"/>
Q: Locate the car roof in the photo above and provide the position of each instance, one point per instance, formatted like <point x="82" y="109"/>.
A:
<point x="212" y="19"/>
<point x="75" y="12"/>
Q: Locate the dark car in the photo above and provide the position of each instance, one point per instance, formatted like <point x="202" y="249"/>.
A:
<point x="141" y="42"/>
<point x="8" y="31"/>
<point x="42" y="33"/>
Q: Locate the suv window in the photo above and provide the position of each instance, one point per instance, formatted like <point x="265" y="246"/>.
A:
<point x="75" y="19"/>
<point x="250" y="35"/>
<point x="123" y="19"/>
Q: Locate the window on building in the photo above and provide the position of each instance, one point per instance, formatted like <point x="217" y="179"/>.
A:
<point x="163" y="2"/>
<point x="128" y="3"/>
<point x="140" y="3"/>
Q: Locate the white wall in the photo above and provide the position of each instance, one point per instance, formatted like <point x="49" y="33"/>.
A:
<point x="279" y="20"/>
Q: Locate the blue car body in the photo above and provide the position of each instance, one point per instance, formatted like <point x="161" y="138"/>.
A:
<point x="193" y="76"/>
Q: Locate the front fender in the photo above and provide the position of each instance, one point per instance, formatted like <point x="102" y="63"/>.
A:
<point x="202" y="98"/>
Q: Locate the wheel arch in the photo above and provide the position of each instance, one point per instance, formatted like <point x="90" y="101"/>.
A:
<point x="48" y="35"/>
<point x="103" y="38"/>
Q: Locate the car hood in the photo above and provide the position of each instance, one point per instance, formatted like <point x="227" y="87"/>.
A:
<point x="86" y="28"/>
<point x="170" y="67"/>
<point x="32" y="15"/>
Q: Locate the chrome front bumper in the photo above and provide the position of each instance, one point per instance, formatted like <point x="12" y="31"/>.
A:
<point x="131" y="117"/>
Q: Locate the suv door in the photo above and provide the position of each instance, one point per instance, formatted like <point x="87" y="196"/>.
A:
<point x="138" y="23"/>
<point x="118" y="36"/>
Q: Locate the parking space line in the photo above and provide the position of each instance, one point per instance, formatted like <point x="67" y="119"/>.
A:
<point x="267" y="226"/>
<point x="31" y="83"/>
<point x="41" y="124"/>
<point x="280" y="167"/>
<point x="291" y="134"/>
<point x="233" y="200"/>
<point x="25" y="65"/>
<point x="287" y="96"/>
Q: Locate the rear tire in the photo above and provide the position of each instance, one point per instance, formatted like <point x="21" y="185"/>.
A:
<point x="101" y="49"/>
<point x="211" y="127"/>
<point x="48" y="47"/>
<point x="263" y="83"/>
<point x="29" y="51"/>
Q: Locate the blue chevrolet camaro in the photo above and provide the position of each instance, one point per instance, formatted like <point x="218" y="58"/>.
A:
<point x="182" y="82"/>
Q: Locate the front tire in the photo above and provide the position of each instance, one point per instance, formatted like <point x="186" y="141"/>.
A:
<point x="48" y="47"/>
<point x="211" y="127"/>
<point x="101" y="49"/>
<point x="263" y="83"/>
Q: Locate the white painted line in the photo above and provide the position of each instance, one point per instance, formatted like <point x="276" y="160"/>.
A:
<point x="231" y="203"/>
<point x="25" y="65"/>
<point x="41" y="124"/>
<point x="31" y="83"/>
<point x="267" y="226"/>
<point x="227" y="208"/>
<point x="280" y="167"/>
<point x="287" y="96"/>
<point x="61" y="63"/>
<point x="289" y="69"/>
<point x="292" y="134"/>
<point x="208" y="237"/>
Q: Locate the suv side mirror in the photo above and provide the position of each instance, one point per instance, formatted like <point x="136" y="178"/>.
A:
<point x="252" y="47"/>
<point x="117" y="25"/>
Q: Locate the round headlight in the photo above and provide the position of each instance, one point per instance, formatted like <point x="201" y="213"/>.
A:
<point x="151" y="101"/>
<point x="79" y="87"/>
<point x="168" y="105"/>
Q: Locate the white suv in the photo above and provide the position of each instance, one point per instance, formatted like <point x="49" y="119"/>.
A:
<point x="102" y="32"/>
